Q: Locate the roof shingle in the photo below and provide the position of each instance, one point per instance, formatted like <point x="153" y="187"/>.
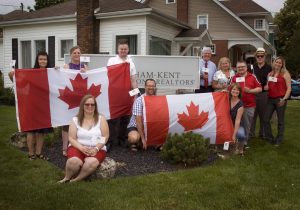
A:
<point x="243" y="6"/>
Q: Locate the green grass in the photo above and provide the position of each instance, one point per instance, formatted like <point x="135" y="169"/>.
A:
<point x="266" y="178"/>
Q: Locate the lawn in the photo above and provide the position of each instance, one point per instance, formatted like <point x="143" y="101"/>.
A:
<point x="266" y="178"/>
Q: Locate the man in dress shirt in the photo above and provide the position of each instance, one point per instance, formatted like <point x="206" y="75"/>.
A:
<point x="207" y="71"/>
<point x="118" y="127"/>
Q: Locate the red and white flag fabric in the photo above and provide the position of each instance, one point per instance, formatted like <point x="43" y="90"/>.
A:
<point x="206" y="114"/>
<point x="49" y="98"/>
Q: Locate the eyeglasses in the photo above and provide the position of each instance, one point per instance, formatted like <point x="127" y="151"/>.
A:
<point x="260" y="56"/>
<point x="87" y="104"/>
<point x="240" y="67"/>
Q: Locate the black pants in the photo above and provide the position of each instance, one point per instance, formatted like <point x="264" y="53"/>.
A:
<point x="260" y="112"/>
<point x="272" y="106"/>
<point x="203" y="89"/>
<point x="117" y="130"/>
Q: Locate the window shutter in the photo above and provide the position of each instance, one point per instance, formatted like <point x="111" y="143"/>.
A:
<point x="14" y="46"/>
<point x="51" y="50"/>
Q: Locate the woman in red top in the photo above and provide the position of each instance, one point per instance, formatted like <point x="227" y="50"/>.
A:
<point x="279" y="87"/>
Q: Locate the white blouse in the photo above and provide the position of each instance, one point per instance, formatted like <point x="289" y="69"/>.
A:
<point x="90" y="137"/>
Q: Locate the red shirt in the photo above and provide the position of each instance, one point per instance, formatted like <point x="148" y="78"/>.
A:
<point x="251" y="82"/>
<point x="277" y="89"/>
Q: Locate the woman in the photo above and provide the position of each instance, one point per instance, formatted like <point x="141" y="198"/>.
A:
<point x="236" y="112"/>
<point x="222" y="77"/>
<point x="75" y="64"/>
<point x="279" y="87"/>
<point x="88" y="134"/>
<point x="34" y="138"/>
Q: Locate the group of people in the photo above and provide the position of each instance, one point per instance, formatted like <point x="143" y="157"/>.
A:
<point x="256" y="92"/>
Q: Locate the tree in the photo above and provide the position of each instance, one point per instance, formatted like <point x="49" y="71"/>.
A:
<point x="288" y="21"/>
<point x="39" y="4"/>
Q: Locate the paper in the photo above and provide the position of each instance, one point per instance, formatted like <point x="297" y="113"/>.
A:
<point x="240" y="79"/>
<point x="272" y="79"/>
<point x="84" y="59"/>
<point x="134" y="92"/>
<point x="226" y="145"/>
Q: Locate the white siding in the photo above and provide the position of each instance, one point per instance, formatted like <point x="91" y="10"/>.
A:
<point x="162" y="30"/>
<point x="64" y="30"/>
<point x="110" y="28"/>
<point x="1" y="56"/>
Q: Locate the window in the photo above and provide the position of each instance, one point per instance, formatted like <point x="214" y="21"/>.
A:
<point x="65" y="46"/>
<point x="26" y="54"/>
<point x="40" y="46"/>
<point x="170" y="1"/>
<point x="159" y="46"/>
<point x="213" y="48"/>
<point x="259" y="24"/>
<point x="132" y="43"/>
<point x="197" y="51"/>
<point x="202" y="21"/>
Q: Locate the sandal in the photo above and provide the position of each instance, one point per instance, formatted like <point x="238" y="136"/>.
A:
<point x="31" y="157"/>
<point x="134" y="148"/>
<point x="63" y="181"/>
<point x="41" y="156"/>
<point x="64" y="152"/>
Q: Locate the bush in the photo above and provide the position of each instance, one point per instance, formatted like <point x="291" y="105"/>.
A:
<point x="188" y="148"/>
<point x="7" y="96"/>
<point x="51" y="138"/>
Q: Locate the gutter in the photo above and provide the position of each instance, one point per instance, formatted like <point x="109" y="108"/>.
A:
<point x="55" y="19"/>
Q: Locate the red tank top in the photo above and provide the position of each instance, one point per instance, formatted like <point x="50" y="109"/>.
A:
<point x="277" y="89"/>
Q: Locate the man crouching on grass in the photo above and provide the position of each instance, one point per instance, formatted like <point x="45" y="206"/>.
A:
<point x="135" y="128"/>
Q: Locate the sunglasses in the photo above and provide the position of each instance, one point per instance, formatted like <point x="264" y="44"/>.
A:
<point x="87" y="104"/>
<point x="260" y="56"/>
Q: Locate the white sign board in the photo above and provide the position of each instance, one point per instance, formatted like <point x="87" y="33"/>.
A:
<point x="172" y="72"/>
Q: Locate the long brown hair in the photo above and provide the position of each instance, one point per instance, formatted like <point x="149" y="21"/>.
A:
<point x="237" y="85"/>
<point x="80" y="114"/>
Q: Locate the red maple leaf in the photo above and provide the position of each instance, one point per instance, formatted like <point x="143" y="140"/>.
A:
<point x="73" y="98"/>
<point x="193" y="120"/>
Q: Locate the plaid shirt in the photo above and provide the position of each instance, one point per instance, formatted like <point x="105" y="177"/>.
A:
<point x="137" y="110"/>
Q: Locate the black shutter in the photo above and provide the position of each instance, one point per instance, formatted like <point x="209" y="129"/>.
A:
<point x="51" y="50"/>
<point x="14" y="46"/>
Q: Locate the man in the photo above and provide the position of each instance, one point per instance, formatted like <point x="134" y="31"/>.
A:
<point x="135" y="128"/>
<point x="261" y="71"/>
<point x="207" y="71"/>
<point x="250" y="86"/>
<point x="117" y="127"/>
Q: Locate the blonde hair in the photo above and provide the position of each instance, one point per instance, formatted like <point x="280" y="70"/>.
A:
<point x="80" y="114"/>
<point x="283" y="69"/>
<point x="222" y="60"/>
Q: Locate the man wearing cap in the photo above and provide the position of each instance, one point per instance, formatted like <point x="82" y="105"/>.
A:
<point x="207" y="71"/>
<point x="261" y="70"/>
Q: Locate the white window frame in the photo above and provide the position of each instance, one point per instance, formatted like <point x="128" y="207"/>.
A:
<point x="34" y="46"/>
<point x="60" y="56"/>
<point x="263" y="24"/>
<point x="114" y="38"/>
<point x="213" y="48"/>
<point x="170" y="1"/>
<point x="202" y="16"/>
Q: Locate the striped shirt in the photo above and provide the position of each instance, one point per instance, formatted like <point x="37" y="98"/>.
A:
<point x="137" y="110"/>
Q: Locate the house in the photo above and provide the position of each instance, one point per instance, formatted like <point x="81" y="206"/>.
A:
<point x="152" y="27"/>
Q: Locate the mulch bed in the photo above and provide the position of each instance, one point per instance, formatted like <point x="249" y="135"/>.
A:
<point x="129" y="163"/>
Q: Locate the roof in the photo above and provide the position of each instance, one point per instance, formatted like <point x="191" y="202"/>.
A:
<point x="119" y="5"/>
<point x="244" y="6"/>
<point x="66" y="8"/>
<point x="191" y="33"/>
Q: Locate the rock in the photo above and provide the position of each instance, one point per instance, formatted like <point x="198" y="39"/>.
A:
<point x="18" y="139"/>
<point x="106" y="170"/>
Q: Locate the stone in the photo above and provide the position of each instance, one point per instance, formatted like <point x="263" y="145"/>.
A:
<point x="106" y="170"/>
<point x="18" y="139"/>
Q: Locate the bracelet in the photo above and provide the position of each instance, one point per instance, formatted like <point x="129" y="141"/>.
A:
<point x="97" y="148"/>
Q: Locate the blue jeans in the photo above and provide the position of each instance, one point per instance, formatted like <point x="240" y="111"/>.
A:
<point x="241" y="135"/>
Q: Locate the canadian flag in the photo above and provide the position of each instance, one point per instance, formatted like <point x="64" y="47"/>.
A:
<point x="206" y="113"/>
<point x="49" y="98"/>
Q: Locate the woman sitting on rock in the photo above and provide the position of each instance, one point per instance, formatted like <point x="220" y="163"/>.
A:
<point x="88" y="134"/>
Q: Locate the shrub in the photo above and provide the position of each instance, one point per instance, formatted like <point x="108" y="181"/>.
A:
<point x="188" y="148"/>
<point x="50" y="138"/>
<point x="7" y="96"/>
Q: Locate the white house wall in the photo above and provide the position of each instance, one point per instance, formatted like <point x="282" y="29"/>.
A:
<point x="164" y="31"/>
<point x="63" y="30"/>
<point x="110" y="28"/>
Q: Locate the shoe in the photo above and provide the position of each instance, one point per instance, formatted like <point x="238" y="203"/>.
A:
<point x="63" y="181"/>
<point x="134" y="148"/>
<point x="42" y="157"/>
<point x="31" y="157"/>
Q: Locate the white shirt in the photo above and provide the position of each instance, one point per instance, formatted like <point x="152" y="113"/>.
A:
<point x="211" y="71"/>
<point x="221" y="78"/>
<point x="117" y="60"/>
<point x="90" y="137"/>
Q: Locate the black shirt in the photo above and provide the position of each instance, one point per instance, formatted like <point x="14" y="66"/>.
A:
<point x="262" y="73"/>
